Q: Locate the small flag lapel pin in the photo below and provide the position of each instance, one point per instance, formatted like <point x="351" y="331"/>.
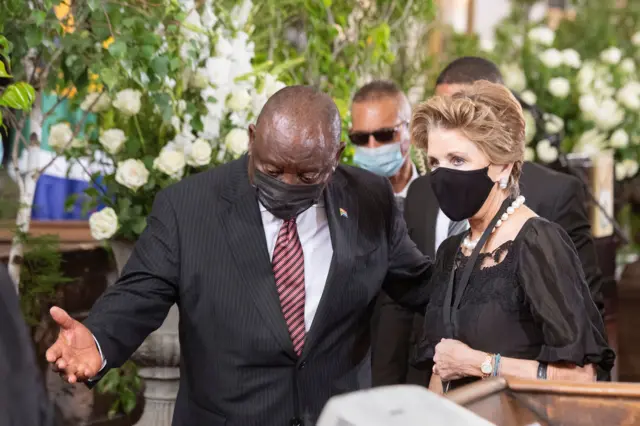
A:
<point x="343" y="213"/>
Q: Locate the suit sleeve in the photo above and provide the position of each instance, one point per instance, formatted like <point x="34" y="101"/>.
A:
<point x="139" y="301"/>
<point x="409" y="270"/>
<point x="390" y="344"/>
<point x="23" y="399"/>
<point x="571" y="214"/>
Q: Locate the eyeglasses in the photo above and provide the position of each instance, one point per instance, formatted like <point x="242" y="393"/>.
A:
<point x="384" y="135"/>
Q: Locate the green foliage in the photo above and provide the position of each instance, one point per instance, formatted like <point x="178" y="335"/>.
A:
<point x="40" y="275"/>
<point x="343" y="43"/>
<point x="124" y="383"/>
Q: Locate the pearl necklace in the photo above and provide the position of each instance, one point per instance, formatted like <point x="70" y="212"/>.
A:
<point x="516" y="204"/>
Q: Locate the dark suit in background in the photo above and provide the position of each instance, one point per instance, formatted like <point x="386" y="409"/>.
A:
<point x="23" y="400"/>
<point x="205" y="249"/>
<point x="558" y="197"/>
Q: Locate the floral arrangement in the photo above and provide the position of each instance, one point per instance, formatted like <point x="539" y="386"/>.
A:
<point x="593" y="102"/>
<point x="182" y="107"/>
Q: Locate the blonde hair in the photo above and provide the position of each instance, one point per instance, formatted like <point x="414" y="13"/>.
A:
<point x="485" y="113"/>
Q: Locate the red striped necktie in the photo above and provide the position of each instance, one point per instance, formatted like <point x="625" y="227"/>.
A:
<point x="288" y="269"/>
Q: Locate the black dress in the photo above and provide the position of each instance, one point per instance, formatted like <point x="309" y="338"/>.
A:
<point x="528" y="299"/>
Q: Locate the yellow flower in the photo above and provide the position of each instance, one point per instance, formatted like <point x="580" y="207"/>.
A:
<point x="69" y="92"/>
<point x="64" y="15"/>
<point x="107" y="42"/>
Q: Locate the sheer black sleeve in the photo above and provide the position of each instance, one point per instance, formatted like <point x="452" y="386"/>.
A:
<point x="551" y="274"/>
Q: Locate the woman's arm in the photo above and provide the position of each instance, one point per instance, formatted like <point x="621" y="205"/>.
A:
<point x="454" y="360"/>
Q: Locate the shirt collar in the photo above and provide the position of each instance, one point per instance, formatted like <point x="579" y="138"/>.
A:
<point x="414" y="175"/>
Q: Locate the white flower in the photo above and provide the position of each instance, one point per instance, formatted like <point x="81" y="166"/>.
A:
<point x="218" y="70"/>
<point x="132" y="174"/>
<point x="627" y="168"/>
<point x="240" y="99"/>
<point x="559" y="87"/>
<point x="611" y="55"/>
<point x="272" y="85"/>
<point x="619" y="139"/>
<point x="628" y="65"/>
<point x="210" y="127"/>
<point x="514" y="77"/>
<point x="237" y="141"/>
<point x="60" y="136"/>
<point x="199" y="153"/>
<point x="529" y="154"/>
<point x="546" y="152"/>
<point x="586" y="75"/>
<point x="529" y="97"/>
<point x="588" y="105"/>
<point x="128" y="102"/>
<point x="571" y="58"/>
<point x="240" y="14"/>
<point x="635" y="39"/>
<point x="99" y="104"/>
<point x="609" y="115"/>
<point x="224" y="47"/>
<point x="487" y="45"/>
<point x="257" y="102"/>
<point x="530" y="126"/>
<point x="631" y="167"/>
<point x="590" y="143"/>
<point x="112" y="140"/>
<point x="199" y="79"/>
<point x="103" y="224"/>
<point x="629" y="95"/>
<point x="170" y="162"/>
<point x="551" y="58"/>
<point x="553" y="124"/>
<point x="542" y="35"/>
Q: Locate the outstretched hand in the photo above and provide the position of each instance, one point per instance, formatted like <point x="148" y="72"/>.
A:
<point x="74" y="354"/>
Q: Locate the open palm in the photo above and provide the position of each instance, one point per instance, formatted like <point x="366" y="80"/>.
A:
<point x="74" y="353"/>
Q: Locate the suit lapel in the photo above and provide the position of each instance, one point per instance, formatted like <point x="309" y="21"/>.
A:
<point x="431" y="207"/>
<point x="245" y="234"/>
<point x="342" y="215"/>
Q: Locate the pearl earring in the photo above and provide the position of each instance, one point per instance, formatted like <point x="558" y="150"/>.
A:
<point x="503" y="182"/>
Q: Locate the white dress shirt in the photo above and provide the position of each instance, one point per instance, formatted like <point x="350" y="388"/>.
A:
<point x="414" y="175"/>
<point x="313" y="231"/>
<point x="442" y="228"/>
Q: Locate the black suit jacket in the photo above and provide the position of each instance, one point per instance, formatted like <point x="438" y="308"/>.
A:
<point x="555" y="196"/>
<point x="23" y="400"/>
<point x="204" y="248"/>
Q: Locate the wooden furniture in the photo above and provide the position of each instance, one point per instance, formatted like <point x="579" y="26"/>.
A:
<point x="516" y="402"/>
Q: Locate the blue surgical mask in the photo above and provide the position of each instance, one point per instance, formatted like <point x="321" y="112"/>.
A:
<point x="385" y="160"/>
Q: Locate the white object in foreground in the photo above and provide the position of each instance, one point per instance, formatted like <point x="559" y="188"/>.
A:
<point x="406" y="405"/>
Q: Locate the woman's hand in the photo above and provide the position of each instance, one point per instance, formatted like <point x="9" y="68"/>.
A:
<point x="455" y="360"/>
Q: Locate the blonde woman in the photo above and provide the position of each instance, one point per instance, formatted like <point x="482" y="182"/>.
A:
<point x="508" y="297"/>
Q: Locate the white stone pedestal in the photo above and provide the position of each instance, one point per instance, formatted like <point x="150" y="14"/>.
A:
<point x="158" y="359"/>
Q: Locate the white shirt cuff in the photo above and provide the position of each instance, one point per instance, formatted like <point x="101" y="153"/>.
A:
<point x="104" y="361"/>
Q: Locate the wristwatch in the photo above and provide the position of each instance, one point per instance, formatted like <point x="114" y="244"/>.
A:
<point x="486" y="368"/>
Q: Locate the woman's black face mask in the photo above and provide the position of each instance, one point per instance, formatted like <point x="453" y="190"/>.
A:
<point x="283" y="200"/>
<point x="461" y="193"/>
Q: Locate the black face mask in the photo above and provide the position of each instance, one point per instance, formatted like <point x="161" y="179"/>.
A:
<point x="283" y="200"/>
<point x="461" y="193"/>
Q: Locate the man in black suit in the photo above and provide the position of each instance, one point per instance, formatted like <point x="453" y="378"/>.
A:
<point x="380" y="116"/>
<point x="23" y="400"/>
<point x="555" y="196"/>
<point x="274" y="260"/>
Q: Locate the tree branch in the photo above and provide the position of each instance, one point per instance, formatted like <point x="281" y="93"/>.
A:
<point x="403" y="17"/>
<point x="106" y="15"/>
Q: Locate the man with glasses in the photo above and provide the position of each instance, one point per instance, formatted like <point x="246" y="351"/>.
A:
<point x="380" y="115"/>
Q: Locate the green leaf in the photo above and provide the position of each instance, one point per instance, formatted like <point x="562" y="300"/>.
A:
<point x="286" y="65"/>
<point x="109" y="77"/>
<point x="139" y="225"/>
<point x="39" y="16"/>
<point x="70" y="202"/>
<point x="160" y="66"/>
<point x="18" y="96"/>
<point x="93" y="4"/>
<point x="327" y="3"/>
<point x="1" y="123"/>
<point x="118" y="49"/>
